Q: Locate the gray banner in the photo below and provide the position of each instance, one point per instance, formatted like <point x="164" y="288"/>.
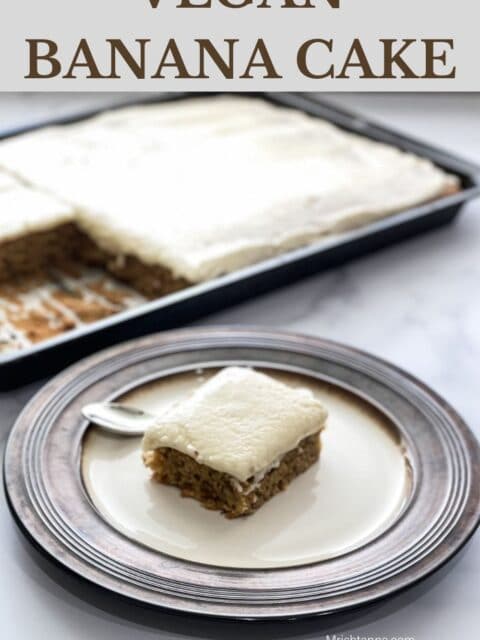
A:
<point x="363" y="45"/>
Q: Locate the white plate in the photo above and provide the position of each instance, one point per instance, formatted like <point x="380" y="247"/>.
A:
<point x="357" y="490"/>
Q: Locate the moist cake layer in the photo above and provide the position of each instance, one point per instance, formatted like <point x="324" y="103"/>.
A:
<point x="240" y="422"/>
<point x="49" y="270"/>
<point x="58" y="279"/>
<point x="206" y="186"/>
<point x="39" y="252"/>
<point x="219" y="491"/>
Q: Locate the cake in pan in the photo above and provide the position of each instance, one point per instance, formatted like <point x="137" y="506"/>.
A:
<point x="49" y="276"/>
<point x="163" y="196"/>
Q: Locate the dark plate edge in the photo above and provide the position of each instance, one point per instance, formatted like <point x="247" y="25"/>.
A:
<point x="459" y="538"/>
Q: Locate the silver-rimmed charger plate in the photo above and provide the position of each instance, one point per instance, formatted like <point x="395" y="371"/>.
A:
<point x="50" y="499"/>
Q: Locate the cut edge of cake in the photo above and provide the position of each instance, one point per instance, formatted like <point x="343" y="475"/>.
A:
<point x="220" y="491"/>
<point x="61" y="243"/>
<point x="240" y="438"/>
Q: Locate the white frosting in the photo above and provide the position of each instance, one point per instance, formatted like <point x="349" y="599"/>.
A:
<point x="24" y="210"/>
<point x="7" y="182"/>
<point x="209" y="185"/>
<point x="240" y="422"/>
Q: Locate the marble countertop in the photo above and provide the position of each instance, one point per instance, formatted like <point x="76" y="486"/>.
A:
<point x="415" y="304"/>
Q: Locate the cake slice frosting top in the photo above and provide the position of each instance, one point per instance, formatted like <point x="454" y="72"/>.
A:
<point x="25" y="210"/>
<point x="240" y="422"/>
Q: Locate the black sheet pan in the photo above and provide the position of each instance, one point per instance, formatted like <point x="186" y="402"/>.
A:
<point x="176" y="309"/>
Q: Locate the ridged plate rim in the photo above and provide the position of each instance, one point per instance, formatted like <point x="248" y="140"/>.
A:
<point x="445" y="454"/>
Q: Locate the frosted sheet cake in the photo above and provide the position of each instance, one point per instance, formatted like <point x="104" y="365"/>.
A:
<point x="240" y="439"/>
<point x="49" y="276"/>
<point x="162" y="196"/>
